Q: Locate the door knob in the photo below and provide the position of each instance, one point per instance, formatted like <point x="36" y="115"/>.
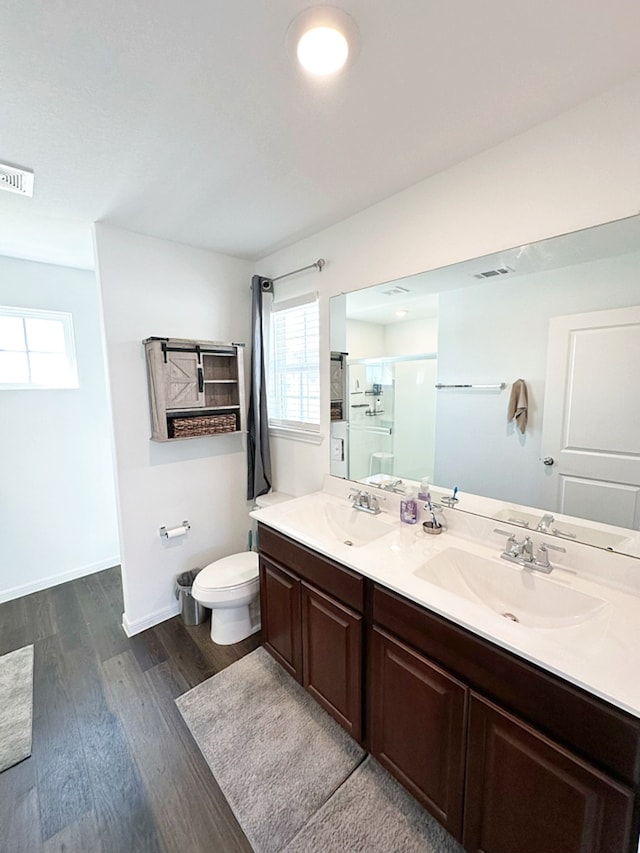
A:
<point x="548" y="460"/>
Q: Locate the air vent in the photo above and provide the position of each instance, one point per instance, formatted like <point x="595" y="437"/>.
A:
<point x="395" y="291"/>
<point x="492" y="273"/>
<point x="16" y="180"/>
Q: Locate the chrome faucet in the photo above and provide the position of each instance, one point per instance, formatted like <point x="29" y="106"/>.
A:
<point x="365" y="501"/>
<point x="522" y="552"/>
<point x="544" y="525"/>
<point x="392" y="486"/>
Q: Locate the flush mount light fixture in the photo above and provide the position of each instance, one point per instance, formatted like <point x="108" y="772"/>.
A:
<point x="402" y="313"/>
<point x="323" y="40"/>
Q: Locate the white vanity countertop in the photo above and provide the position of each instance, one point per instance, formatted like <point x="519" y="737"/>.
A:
<point x="600" y="655"/>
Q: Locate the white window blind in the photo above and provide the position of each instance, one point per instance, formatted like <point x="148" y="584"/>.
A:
<point x="36" y="349"/>
<point x="294" y="364"/>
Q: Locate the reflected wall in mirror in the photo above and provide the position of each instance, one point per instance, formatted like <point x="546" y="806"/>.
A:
<point x="564" y="316"/>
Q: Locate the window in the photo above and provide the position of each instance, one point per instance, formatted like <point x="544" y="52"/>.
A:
<point x="294" y="364"/>
<point x="36" y="349"/>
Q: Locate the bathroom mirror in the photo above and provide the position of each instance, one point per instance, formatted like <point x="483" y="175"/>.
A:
<point x="432" y="360"/>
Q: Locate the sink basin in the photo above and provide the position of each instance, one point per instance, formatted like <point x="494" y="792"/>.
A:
<point x="336" y="522"/>
<point x="354" y="526"/>
<point x="518" y="594"/>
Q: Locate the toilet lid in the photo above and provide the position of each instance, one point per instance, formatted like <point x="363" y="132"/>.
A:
<point x="229" y="571"/>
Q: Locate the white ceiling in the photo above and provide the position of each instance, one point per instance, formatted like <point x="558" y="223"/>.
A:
<point x="188" y="121"/>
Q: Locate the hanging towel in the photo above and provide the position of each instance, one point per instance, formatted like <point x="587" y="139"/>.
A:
<point x="519" y="404"/>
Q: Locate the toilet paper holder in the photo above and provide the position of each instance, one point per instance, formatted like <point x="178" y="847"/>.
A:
<point x="172" y="532"/>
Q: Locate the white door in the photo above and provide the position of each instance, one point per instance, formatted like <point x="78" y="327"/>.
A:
<point x="591" y="425"/>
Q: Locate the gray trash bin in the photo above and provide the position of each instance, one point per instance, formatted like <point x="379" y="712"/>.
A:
<point x="191" y="611"/>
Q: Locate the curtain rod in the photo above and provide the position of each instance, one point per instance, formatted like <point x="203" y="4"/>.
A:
<point x="317" y="265"/>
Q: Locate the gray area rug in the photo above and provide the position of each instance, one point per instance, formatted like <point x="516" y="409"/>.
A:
<point x="16" y="706"/>
<point x="372" y="813"/>
<point x="277" y="756"/>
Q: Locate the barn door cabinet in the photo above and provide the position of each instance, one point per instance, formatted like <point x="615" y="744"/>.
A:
<point x="196" y="388"/>
<point x="311" y="611"/>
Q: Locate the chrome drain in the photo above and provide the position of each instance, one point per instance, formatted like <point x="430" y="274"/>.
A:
<point x="348" y="542"/>
<point x="511" y="616"/>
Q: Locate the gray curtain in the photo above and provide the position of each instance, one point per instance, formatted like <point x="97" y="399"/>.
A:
<point x="258" y="453"/>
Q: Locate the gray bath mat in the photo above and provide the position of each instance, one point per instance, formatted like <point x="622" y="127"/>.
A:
<point x="372" y="813"/>
<point x="16" y="706"/>
<point x="275" y="753"/>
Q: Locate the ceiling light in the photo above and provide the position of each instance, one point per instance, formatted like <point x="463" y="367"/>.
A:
<point x="322" y="50"/>
<point x="401" y="313"/>
<point x="323" y="40"/>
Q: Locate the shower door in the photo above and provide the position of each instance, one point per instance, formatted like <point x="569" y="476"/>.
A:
<point x="391" y="417"/>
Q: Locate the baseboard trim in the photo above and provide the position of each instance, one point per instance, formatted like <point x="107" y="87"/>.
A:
<point x="137" y="625"/>
<point x="56" y="580"/>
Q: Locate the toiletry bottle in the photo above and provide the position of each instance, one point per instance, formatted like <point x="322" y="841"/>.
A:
<point x="424" y="489"/>
<point x="409" y="508"/>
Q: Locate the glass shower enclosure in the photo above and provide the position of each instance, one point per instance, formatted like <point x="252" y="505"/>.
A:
<point x="391" y="417"/>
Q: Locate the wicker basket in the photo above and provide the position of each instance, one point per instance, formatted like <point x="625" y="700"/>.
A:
<point x="202" y="425"/>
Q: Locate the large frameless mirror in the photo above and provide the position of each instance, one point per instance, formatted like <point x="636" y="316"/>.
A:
<point x="430" y="373"/>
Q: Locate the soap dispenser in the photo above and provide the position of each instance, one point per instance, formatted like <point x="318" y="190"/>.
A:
<point x="424" y="489"/>
<point x="409" y="507"/>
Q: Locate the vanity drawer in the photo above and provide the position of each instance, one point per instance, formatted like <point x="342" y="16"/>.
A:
<point x="607" y="736"/>
<point x="344" y="584"/>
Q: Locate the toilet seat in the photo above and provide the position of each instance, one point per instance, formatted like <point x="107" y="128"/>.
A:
<point x="233" y="572"/>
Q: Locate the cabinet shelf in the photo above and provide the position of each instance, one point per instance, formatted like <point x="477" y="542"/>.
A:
<point x="196" y="388"/>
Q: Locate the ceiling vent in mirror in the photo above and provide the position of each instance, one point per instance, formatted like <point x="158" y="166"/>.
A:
<point x="396" y="291"/>
<point x="16" y="180"/>
<point x="492" y="273"/>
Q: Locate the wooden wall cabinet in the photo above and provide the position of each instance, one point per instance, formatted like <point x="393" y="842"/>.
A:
<point x="311" y="612"/>
<point x="196" y="388"/>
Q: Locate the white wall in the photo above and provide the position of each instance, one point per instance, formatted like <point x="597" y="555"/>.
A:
<point x="411" y="337"/>
<point x="57" y="493"/>
<point x="576" y="171"/>
<point x="153" y="287"/>
<point x="364" y="340"/>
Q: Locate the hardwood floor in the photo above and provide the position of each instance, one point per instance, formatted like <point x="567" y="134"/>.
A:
<point x="114" y="768"/>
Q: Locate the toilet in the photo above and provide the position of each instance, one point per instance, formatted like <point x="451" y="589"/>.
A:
<point x="230" y="586"/>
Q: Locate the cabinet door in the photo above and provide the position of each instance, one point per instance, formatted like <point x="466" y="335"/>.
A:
<point x="332" y="657"/>
<point x="525" y="793"/>
<point x="183" y="381"/>
<point x="418" y="727"/>
<point x="280" y="616"/>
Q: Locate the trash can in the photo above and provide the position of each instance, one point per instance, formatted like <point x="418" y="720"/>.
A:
<point x="191" y="611"/>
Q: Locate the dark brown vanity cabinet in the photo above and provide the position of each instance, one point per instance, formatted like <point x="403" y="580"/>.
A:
<point x="280" y="616"/>
<point x="312" y="624"/>
<point x="541" y="767"/>
<point x="418" y="727"/>
<point x="332" y="657"/>
<point x="508" y="757"/>
<point x="527" y="793"/>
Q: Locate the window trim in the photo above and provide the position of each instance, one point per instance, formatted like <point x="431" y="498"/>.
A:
<point x="66" y="318"/>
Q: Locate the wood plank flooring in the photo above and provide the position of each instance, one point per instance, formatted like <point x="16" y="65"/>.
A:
<point x="114" y="769"/>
